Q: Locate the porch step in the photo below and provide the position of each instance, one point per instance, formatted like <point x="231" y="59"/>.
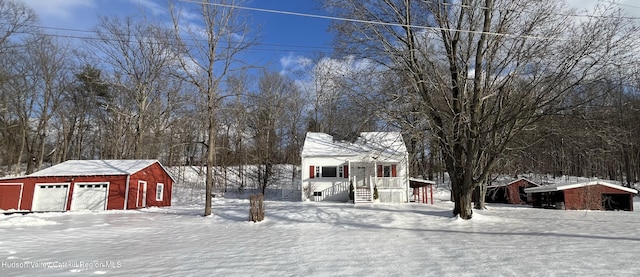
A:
<point x="363" y="196"/>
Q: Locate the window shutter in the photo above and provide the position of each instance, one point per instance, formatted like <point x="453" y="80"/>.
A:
<point x="346" y="171"/>
<point x="312" y="172"/>
<point x="393" y="171"/>
<point x="379" y="170"/>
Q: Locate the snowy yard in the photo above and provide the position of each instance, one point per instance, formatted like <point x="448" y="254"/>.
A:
<point x="320" y="239"/>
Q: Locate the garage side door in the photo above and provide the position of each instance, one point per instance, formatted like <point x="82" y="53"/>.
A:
<point x="10" y="196"/>
<point x="50" y="197"/>
<point x="91" y="197"/>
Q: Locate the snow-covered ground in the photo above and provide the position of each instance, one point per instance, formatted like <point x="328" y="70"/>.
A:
<point x="320" y="239"/>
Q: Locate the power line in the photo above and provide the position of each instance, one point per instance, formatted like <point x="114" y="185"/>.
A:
<point x="620" y="4"/>
<point x="378" y="22"/>
<point x="321" y="48"/>
<point x="201" y="40"/>
<point x="531" y="12"/>
<point x="267" y="47"/>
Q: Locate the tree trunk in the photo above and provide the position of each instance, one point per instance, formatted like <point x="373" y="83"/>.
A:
<point x="464" y="203"/>
<point x="256" y="210"/>
<point x="481" y="194"/>
<point x="211" y="156"/>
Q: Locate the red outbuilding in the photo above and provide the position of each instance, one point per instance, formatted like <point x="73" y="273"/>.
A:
<point x="510" y="193"/>
<point x="422" y="190"/>
<point x="592" y="195"/>
<point x="89" y="185"/>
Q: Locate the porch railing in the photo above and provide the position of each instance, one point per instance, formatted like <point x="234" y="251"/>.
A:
<point x="390" y="183"/>
<point x="333" y="190"/>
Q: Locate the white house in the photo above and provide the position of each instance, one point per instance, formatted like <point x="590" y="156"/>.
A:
<point x="374" y="161"/>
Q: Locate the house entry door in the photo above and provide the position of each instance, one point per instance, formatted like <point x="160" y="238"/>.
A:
<point x="361" y="176"/>
<point x="141" y="196"/>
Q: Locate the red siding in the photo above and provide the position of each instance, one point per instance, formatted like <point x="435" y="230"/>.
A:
<point x="588" y="198"/>
<point x="379" y="173"/>
<point x="27" y="191"/>
<point x="513" y="191"/>
<point x="152" y="174"/>
<point x="10" y="196"/>
<point x="312" y="172"/>
<point x="393" y="171"/>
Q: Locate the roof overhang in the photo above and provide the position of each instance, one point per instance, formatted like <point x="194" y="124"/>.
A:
<point x="560" y="187"/>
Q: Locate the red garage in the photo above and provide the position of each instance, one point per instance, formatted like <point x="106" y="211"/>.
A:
<point x="592" y="195"/>
<point x="89" y="185"/>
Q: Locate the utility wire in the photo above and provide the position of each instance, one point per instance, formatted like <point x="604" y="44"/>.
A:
<point x="328" y="18"/>
<point x="267" y="47"/>
<point x="379" y="22"/>
<point x="622" y="5"/>
<point x="201" y="40"/>
<point x="531" y="12"/>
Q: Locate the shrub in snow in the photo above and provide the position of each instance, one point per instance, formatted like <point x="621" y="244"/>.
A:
<point x="375" y="193"/>
<point x="351" y="191"/>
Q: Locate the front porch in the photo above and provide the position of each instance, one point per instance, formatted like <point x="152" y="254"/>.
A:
<point x="389" y="189"/>
<point x="357" y="180"/>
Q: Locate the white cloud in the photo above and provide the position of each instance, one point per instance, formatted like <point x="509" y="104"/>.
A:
<point x="58" y="8"/>
<point x="322" y="79"/>
<point x="153" y="6"/>
<point x="189" y="15"/>
<point x="629" y="7"/>
<point x="582" y="5"/>
<point x="294" y="63"/>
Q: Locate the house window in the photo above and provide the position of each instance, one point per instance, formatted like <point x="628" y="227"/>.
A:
<point x="317" y="193"/>
<point x="329" y="171"/>
<point x="387" y="171"/>
<point x="159" y="191"/>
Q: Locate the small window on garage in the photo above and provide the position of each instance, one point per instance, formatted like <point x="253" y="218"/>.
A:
<point x="159" y="191"/>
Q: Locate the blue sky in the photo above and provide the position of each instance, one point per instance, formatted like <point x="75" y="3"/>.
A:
<point x="286" y="40"/>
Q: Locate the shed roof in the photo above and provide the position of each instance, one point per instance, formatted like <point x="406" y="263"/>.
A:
<point x="565" y="186"/>
<point x="383" y="145"/>
<point x="512" y="182"/>
<point x="95" y="168"/>
<point x="417" y="182"/>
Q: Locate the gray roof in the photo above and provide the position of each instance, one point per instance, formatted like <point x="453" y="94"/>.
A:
<point x="565" y="186"/>
<point x="507" y="184"/>
<point x="95" y="168"/>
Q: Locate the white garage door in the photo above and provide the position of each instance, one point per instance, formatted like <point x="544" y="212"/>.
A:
<point x="50" y="197"/>
<point x="89" y="197"/>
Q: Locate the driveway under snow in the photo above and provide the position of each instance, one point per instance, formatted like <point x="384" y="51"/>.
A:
<point x="320" y="239"/>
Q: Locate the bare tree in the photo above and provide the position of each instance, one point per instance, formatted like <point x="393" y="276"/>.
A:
<point x="272" y="124"/>
<point x="484" y="70"/>
<point x="39" y="77"/>
<point x="140" y="55"/>
<point x="15" y="18"/>
<point x="208" y="55"/>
